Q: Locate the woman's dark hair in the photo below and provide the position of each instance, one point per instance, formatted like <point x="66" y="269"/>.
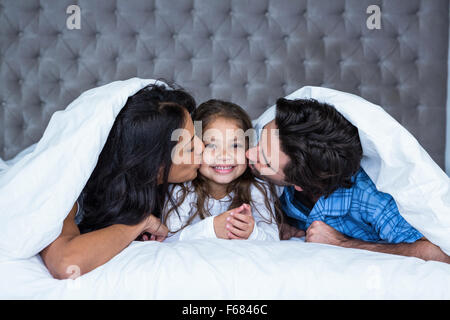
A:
<point x="207" y="113"/>
<point x="123" y="187"/>
<point x="323" y="147"/>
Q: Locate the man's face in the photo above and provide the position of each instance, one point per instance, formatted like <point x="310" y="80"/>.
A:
<point x="266" y="160"/>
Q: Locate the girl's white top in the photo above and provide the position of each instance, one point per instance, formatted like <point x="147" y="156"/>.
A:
<point x="265" y="227"/>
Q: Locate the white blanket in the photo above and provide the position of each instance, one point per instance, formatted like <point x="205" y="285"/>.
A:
<point x="38" y="188"/>
<point x="224" y="269"/>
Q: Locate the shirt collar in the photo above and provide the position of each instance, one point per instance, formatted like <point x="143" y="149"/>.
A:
<point x="336" y="205"/>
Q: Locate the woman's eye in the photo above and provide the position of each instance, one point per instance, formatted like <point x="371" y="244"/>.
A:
<point x="210" y="146"/>
<point x="237" y="145"/>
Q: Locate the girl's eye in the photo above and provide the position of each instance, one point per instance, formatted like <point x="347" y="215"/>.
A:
<point x="210" y="146"/>
<point x="237" y="145"/>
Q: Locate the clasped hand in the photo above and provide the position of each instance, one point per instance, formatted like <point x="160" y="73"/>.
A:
<point x="237" y="223"/>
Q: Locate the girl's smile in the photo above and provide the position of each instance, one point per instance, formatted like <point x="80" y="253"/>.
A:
<point x="223" y="169"/>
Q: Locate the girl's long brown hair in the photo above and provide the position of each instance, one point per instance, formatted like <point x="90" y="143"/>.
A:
<point x="207" y="112"/>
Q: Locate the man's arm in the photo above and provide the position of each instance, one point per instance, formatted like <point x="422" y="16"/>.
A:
<point x="77" y="253"/>
<point x="422" y="249"/>
<point x="320" y="232"/>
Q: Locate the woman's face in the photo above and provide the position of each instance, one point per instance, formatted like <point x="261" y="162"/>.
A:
<point x="186" y="155"/>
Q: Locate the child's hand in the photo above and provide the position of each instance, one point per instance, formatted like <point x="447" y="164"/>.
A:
<point x="240" y="223"/>
<point x="220" y="222"/>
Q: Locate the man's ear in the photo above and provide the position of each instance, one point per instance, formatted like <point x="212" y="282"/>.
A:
<point x="298" y="188"/>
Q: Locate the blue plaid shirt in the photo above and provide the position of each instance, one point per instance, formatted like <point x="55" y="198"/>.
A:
<point x="360" y="212"/>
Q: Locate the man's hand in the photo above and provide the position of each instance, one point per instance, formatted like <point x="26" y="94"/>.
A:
<point x="241" y="223"/>
<point x="154" y="229"/>
<point x="288" y="231"/>
<point x="320" y="232"/>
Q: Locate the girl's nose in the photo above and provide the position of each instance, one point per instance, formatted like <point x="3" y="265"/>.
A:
<point x="225" y="155"/>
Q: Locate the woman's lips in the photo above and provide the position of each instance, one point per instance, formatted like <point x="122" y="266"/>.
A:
<point x="223" y="169"/>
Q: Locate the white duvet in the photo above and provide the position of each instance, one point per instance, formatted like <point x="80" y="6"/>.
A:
<point x="39" y="186"/>
<point x="222" y="269"/>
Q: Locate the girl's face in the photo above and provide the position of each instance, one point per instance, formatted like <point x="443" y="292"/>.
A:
<point x="224" y="154"/>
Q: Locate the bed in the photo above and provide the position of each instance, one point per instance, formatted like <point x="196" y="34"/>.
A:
<point x="249" y="52"/>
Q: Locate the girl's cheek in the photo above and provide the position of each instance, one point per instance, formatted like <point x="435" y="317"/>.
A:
<point x="242" y="168"/>
<point x="240" y="158"/>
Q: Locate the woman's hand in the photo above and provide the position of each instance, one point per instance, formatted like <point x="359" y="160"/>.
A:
<point x="240" y="224"/>
<point x="153" y="229"/>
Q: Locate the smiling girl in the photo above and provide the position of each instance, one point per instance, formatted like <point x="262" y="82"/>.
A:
<point x="225" y="200"/>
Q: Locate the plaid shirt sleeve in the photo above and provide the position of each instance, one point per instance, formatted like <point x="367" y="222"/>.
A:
<point x="388" y="222"/>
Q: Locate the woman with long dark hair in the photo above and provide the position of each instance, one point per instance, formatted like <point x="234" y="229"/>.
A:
<point x="125" y="193"/>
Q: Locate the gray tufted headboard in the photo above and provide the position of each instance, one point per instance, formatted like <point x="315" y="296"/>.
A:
<point x="248" y="51"/>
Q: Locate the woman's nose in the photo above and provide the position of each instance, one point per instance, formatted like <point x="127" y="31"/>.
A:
<point x="198" y="150"/>
<point x="199" y="146"/>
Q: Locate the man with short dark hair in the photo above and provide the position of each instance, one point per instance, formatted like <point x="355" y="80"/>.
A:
<point x="315" y="153"/>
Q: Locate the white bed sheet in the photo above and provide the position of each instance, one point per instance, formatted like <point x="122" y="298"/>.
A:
<point x="224" y="269"/>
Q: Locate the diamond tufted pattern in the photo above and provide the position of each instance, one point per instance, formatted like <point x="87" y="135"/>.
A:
<point x="250" y="52"/>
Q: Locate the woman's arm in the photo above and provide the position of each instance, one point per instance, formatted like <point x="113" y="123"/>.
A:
<point x="80" y="253"/>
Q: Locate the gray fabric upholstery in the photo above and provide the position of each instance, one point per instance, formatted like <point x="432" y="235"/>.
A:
<point x="250" y="52"/>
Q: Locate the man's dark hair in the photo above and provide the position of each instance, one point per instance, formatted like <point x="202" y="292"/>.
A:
<point x="323" y="147"/>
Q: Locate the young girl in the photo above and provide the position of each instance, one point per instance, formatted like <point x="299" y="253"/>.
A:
<point x="225" y="200"/>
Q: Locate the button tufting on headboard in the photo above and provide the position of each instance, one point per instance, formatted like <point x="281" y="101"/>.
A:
<point x="251" y="52"/>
